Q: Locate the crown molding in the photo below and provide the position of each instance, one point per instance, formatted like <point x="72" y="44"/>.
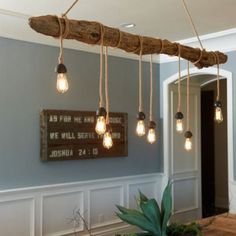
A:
<point x="222" y="40"/>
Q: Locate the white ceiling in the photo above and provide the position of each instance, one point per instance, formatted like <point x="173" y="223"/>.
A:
<point x="158" y="18"/>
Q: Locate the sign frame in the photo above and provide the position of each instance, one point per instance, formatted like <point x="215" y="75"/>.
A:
<point x="72" y="148"/>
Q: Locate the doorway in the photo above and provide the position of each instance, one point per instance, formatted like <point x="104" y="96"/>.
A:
<point x="187" y="178"/>
<point x="214" y="143"/>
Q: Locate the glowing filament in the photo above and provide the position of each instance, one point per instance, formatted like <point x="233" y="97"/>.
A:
<point x="140" y="128"/>
<point x="62" y="83"/>
<point x="218" y="115"/>
<point x="151" y="137"/>
<point x="107" y="140"/>
<point x="179" y="126"/>
<point x="100" y="125"/>
<point x="188" y="144"/>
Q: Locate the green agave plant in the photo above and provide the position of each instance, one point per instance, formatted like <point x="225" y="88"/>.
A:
<point x="152" y="219"/>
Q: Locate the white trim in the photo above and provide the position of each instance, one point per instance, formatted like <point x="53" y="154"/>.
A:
<point x="14" y="14"/>
<point x="209" y="36"/>
<point x="81" y="183"/>
<point x="194" y="71"/>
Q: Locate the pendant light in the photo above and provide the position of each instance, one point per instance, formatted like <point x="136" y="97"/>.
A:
<point x="101" y="113"/>
<point x="151" y="137"/>
<point x="140" y="128"/>
<point x="218" y="105"/>
<point x="179" y="115"/>
<point x="107" y="137"/>
<point x="61" y="70"/>
<point x="188" y="134"/>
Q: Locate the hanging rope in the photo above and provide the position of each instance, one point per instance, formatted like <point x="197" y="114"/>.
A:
<point x="64" y="14"/>
<point x="218" y="80"/>
<point x="151" y="90"/>
<point x="192" y="23"/>
<point x="62" y="36"/>
<point x="200" y="56"/>
<point x="218" y="76"/>
<point x="106" y="84"/>
<point x="119" y="39"/>
<point x="140" y="74"/>
<point x="179" y="80"/>
<point x="101" y="67"/>
<point x="188" y="82"/>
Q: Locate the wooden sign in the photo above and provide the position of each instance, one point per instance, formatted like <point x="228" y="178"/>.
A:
<point x="70" y="135"/>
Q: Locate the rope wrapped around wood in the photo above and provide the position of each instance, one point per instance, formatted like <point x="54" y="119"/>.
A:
<point x="89" y="32"/>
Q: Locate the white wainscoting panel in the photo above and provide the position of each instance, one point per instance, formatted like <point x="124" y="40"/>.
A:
<point x="17" y="217"/>
<point x="48" y="210"/>
<point x="186" y="194"/>
<point x="57" y="212"/>
<point x="102" y="205"/>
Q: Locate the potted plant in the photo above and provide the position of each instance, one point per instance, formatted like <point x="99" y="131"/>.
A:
<point x="153" y="220"/>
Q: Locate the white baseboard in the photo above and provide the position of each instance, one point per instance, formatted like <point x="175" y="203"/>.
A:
<point x="45" y="210"/>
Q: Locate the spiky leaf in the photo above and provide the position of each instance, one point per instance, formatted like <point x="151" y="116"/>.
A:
<point x="152" y="211"/>
<point x="142" y="197"/>
<point x="166" y="207"/>
<point x="141" y="221"/>
<point x="125" y="210"/>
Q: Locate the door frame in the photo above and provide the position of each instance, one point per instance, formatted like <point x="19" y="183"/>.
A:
<point x="224" y="74"/>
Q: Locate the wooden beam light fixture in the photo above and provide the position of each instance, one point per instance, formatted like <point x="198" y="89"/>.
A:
<point x="90" y="33"/>
<point x="95" y="33"/>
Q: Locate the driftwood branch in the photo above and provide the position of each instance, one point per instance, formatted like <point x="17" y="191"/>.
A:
<point x="90" y="33"/>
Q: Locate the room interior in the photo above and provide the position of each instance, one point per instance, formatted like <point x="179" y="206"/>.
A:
<point x="109" y="107"/>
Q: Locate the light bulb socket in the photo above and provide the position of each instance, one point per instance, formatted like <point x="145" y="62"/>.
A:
<point x="217" y="104"/>
<point x="188" y="134"/>
<point x="179" y="115"/>
<point x="141" y="116"/>
<point x="101" y="111"/>
<point x="151" y="124"/>
<point x="61" y="69"/>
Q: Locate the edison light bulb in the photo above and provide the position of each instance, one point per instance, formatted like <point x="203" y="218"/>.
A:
<point x="107" y="138"/>
<point x="62" y="82"/>
<point x="140" y="128"/>
<point x="179" y="122"/>
<point x="151" y="137"/>
<point x="218" y="115"/>
<point x="179" y="126"/>
<point x="188" y="140"/>
<point x="100" y="127"/>
<point x="218" y="112"/>
<point x="188" y="144"/>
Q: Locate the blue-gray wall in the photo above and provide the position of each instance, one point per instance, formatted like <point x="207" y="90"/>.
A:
<point x="28" y="85"/>
<point x="169" y="69"/>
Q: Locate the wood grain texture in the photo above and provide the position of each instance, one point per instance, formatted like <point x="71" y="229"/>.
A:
<point x="90" y="33"/>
